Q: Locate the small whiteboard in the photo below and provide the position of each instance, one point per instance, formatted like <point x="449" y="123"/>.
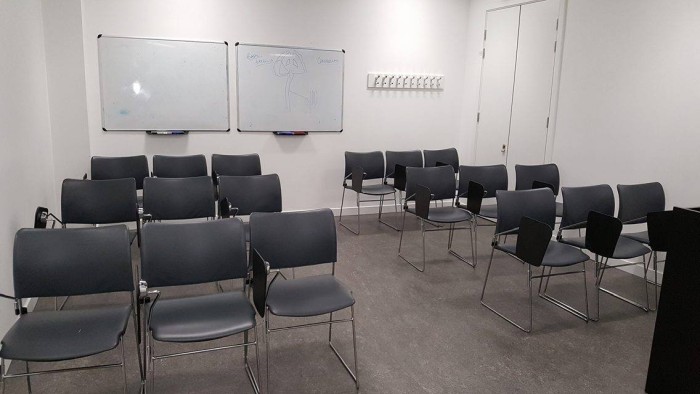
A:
<point x="156" y="84"/>
<point x="289" y="89"/>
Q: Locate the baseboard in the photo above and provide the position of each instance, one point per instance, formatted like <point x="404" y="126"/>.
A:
<point x="366" y="209"/>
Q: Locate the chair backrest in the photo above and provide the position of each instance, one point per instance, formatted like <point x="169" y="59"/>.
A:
<point x="492" y="178"/>
<point x="372" y="164"/>
<point x="179" y="166"/>
<point x="136" y="167"/>
<point x="513" y="205"/>
<point x="174" y="254"/>
<point x="235" y="165"/>
<point x="475" y="196"/>
<point x="178" y="198"/>
<point x="446" y="156"/>
<point x="69" y="262"/>
<point x="99" y="202"/>
<point x="257" y="193"/>
<point x="579" y="201"/>
<point x="638" y="200"/>
<point x="525" y="175"/>
<point x="533" y="240"/>
<point x="409" y="158"/>
<point x="440" y="181"/>
<point x="660" y="227"/>
<point x="294" y="239"/>
<point x="602" y="233"/>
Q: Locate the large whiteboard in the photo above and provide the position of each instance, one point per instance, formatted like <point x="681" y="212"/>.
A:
<point x="283" y="88"/>
<point x="157" y="84"/>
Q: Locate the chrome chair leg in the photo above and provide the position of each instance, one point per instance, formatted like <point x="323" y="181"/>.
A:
<point x="354" y="347"/>
<point x="123" y="364"/>
<point x="422" y="229"/>
<point x="352" y="374"/>
<point x="601" y="271"/>
<point x="457" y="255"/>
<point x="381" y="204"/>
<point x="502" y="316"/>
<point x="267" y="350"/>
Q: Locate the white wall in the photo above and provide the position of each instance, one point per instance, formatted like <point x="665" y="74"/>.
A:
<point x="413" y="36"/>
<point x="630" y="88"/>
<point x="25" y="138"/>
<point x="65" y="73"/>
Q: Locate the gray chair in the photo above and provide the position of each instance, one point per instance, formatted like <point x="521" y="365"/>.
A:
<point x="179" y="166"/>
<point x="235" y="165"/>
<point x="204" y="252"/>
<point x="433" y="184"/>
<point x="243" y="195"/>
<point x="298" y="239"/>
<point x="578" y="203"/>
<point x="103" y="168"/>
<point x="543" y="174"/>
<point x="491" y="178"/>
<point x="410" y="158"/>
<point x="538" y="205"/>
<point x="100" y="202"/>
<point x="178" y="198"/>
<point x="361" y="167"/>
<point x="449" y="156"/>
<point x="61" y="263"/>
<point x="636" y="202"/>
<point x="605" y="230"/>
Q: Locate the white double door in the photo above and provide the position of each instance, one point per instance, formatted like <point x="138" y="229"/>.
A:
<point x="516" y="84"/>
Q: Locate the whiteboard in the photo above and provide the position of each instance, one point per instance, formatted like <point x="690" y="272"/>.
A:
<point x="283" y="88"/>
<point x="157" y="84"/>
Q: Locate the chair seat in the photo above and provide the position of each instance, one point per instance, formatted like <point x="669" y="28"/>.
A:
<point x="626" y="248"/>
<point x="559" y="212"/>
<point x="376" y="190"/>
<point x="488" y="211"/>
<point x="446" y="214"/>
<point x="65" y="335"/>
<point x="202" y="318"/>
<point x="557" y="254"/>
<point x="642" y="236"/>
<point x="309" y="296"/>
<point x="579" y="242"/>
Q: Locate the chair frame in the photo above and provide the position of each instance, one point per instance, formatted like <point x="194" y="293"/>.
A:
<point x="149" y="350"/>
<point x="422" y="202"/>
<point x="542" y="293"/>
<point x="601" y="265"/>
<point x="258" y="262"/>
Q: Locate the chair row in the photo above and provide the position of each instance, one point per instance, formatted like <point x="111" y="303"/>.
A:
<point x="115" y="200"/>
<point x="103" y="168"/>
<point x="368" y="166"/>
<point x="637" y="203"/>
<point x="83" y="261"/>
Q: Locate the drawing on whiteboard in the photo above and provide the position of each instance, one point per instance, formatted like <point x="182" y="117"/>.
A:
<point x="288" y="64"/>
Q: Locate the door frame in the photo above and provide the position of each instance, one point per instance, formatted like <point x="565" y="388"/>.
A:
<point x="556" y="77"/>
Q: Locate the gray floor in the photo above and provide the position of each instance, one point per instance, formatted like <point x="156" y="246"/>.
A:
<point x="417" y="332"/>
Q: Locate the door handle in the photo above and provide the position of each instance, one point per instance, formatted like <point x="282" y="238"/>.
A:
<point x="503" y="148"/>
